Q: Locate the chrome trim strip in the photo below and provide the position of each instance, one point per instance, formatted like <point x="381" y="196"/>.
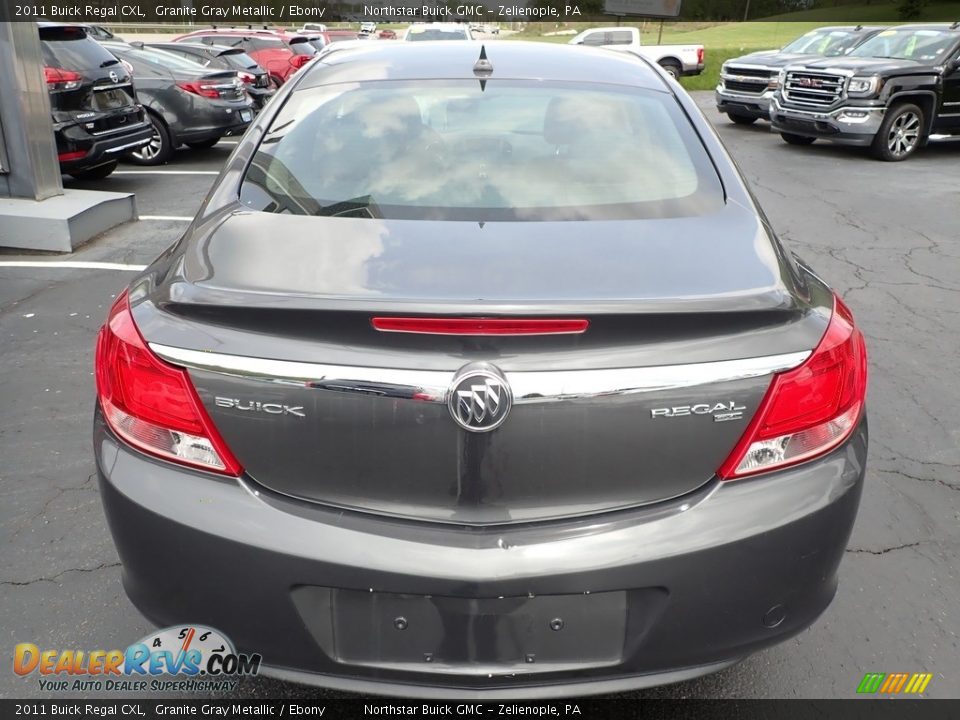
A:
<point x="99" y="88"/>
<point x="748" y="66"/>
<point x="136" y="143"/>
<point x="527" y="387"/>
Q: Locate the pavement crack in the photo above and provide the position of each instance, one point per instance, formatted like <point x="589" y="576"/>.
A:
<point x="884" y="551"/>
<point x="85" y="486"/>
<point x="938" y="481"/>
<point x="53" y="578"/>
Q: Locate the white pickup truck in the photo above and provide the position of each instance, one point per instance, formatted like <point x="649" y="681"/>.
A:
<point x="677" y="60"/>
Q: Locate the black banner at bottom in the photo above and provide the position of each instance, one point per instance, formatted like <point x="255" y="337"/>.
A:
<point x="853" y="709"/>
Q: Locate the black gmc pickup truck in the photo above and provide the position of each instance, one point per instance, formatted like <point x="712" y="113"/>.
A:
<point x="894" y="93"/>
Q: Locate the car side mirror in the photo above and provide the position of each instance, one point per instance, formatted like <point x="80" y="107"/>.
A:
<point x="954" y="64"/>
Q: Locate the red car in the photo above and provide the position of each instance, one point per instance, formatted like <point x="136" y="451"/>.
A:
<point x="388" y="35"/>
<point x="280" y="53"/>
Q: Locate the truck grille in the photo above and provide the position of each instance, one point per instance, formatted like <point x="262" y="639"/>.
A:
<point x="746" y="81"/>
<point x="747" y="88"/>
<point x="815" y="89"/>
<point x="761" y="73"/>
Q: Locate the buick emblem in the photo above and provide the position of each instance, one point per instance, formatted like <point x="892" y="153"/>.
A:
<point x="114" y="77"/>
<point x="479" y="398"/>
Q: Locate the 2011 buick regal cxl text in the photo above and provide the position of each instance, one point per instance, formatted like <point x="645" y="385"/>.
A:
<point x="481" y="375"/>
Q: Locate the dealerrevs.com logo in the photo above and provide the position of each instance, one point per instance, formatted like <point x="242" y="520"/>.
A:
<point x="185" y="657"/>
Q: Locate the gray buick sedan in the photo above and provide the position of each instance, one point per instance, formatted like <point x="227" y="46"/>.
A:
<point x="481" y="373"/>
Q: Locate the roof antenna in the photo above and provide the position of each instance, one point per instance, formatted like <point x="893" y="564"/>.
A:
<point x="955" y="25"/>
<point x="483" y="68"/>
<point x="858" y="28"/>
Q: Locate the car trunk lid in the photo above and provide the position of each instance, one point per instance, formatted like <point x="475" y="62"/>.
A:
<point x="272" y="314"/>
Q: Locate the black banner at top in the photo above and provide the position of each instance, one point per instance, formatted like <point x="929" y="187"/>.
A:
<point x="294" y="13"/>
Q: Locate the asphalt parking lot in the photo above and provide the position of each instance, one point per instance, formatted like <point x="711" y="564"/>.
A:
<point x="887" y="236"/>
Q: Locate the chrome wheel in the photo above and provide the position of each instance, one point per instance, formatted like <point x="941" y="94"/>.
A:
<point x="904" y="134"/>
<point x="150" y="151"/>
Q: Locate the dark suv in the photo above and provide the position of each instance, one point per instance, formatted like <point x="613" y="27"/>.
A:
<point x="894" y="93"/>
<point x="96" y="116"/>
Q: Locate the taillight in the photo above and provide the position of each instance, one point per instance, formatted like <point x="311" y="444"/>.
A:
<point x="480" y="326"/>
<point x="248" y="78"/>
<point x="59" y="79"/>
<point x="298" y="61"/>
<point x="150" y="404"/>
<point x="699" y="56"/>
<point x="809" y="410"/>
<point x="73" y="155"/>
<point x="199" y="88"/>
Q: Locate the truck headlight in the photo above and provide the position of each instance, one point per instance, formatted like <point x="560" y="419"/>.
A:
<point x="863" y="86"/>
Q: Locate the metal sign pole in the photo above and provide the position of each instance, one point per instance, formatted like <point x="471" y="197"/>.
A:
<point x="35" y="211"/>
<point x="30" y="167"/>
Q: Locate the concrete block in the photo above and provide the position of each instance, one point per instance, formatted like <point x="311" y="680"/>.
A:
<point x="64" y="222"/>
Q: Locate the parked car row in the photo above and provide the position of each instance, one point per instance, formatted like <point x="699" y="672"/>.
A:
<point x="890" y="89"/>
<point x="112" y="99"/>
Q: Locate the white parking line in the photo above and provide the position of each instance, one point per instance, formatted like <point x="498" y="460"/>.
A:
<point x="182" y="218"/>
<point x="71" y="265"/>
<point x="166" y="172"/>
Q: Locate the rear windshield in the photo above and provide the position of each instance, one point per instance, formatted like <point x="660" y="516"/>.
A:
<point x="498" y="150"/>
<point x="160" y="57"/>
<point x="302" y="46"/>
<point x="70" y="48"/>
<point x="829" y="43"/>
<point x="920" y="45"/>
<point x="237" y="59"/>
<point x="416" y="33"/>
<point x="614" y="37"/>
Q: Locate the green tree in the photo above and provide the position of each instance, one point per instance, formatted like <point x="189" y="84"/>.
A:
<point x="911" y="9"/>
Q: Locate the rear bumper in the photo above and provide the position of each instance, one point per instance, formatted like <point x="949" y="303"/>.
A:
<point x="846" y="125"/>
<point x="99" y="149"/>
<point x="649" y="596"/>
<point x="215" y="119"/>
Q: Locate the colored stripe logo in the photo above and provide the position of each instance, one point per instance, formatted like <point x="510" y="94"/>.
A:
<point x="894" y="683"/>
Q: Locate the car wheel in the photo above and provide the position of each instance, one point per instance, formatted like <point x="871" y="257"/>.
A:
<point x="672" y="69"/>
<point x="900" y="134"/>
<point x="158" y="150"/>
<point x="203" y="144"/>
<point x="742" y="119"/>
<point x="97" y="173"/>
<point x="797" y="139"/>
